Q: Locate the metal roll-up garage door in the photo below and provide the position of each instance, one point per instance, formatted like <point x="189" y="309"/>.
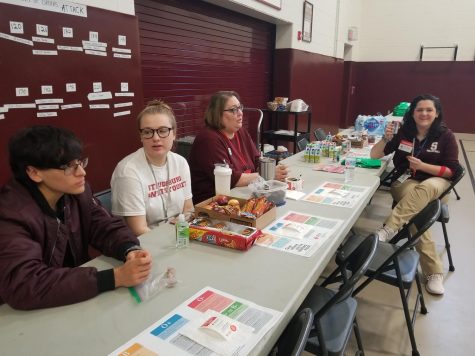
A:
<point x="190" y="49"/>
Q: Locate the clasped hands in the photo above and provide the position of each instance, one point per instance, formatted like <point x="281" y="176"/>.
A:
<point x="135" y="269"/>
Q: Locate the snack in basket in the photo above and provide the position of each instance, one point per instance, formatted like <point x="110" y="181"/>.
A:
<point x="219" y="225"/>
<point x="260" y="207"/>
<point x="202" y="222"/>
<point x="233" y="202"/>
<point x="247" y="231"/>
<point x="249" y="206"/>
<point x="222" y="200"/>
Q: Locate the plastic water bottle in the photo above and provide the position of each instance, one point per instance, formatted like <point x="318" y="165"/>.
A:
<point x="350" y="165"/>
<point x="182" y="232"/>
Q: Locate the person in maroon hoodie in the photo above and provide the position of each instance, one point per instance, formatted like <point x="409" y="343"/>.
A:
<point x="425" y="159"/>
<point x="49" y="217"/>
<point x="224" y="140"/>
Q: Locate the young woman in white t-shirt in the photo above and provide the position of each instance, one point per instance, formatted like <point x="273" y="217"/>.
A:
<point x="152" y="184"/>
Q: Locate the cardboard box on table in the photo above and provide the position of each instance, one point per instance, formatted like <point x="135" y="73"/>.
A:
<point x="259" y="223"/>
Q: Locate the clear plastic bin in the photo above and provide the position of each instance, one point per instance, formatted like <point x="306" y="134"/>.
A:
<point x="275" y="193"/>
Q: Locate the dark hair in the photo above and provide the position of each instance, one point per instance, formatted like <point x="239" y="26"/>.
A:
<point x="215" y="109"/>
<point x="409" y="124"/>
<point x="42" y="147"/>
<point x="157" y="106"/>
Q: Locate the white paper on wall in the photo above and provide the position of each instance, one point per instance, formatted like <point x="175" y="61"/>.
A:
<point x="47" y="114"/>
<point x="71" y="106"/>
<point x="47" y="89"/>
<point x="44" y="52"/>
<point x="16" y="27"/>
<point x="122" y="113"/>
<point x="16" y="39"/>
<point x="21" y="91"/>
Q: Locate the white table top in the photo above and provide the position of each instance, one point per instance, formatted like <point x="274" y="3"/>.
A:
<point x="267" y="277"/>
<point x="297" y="160"/>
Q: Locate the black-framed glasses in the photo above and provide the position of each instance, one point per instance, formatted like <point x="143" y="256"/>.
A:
<point x="162" y="132"/>
<point x="71" y="167"/>
<point x="235" y="109"/>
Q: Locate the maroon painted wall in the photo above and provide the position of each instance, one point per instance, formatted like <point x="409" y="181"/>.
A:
<point x="316" y="79"/>
<point x="381" y="85"/>
<point x="106" y="138"/>
<point x="191" y="49"/>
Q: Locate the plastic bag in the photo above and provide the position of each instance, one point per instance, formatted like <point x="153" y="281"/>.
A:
<point x="153" y="285"/>
<point x="374" y="124"/>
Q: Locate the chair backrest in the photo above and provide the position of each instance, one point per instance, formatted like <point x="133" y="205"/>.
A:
<point x="320" y="134"/>
<point x="105" y="198"/>
<point x="293" y="339"/>
<point x="358" y="261"/>
<point x="302" y="143"/>
<point x="457" y="177"/>
<point x="419" y="224"/>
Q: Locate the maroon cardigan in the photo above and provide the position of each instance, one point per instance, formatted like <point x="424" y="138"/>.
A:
<point x="210" y="147"/>
<point x="34" y="248"/>
<point x="441" y="151"/>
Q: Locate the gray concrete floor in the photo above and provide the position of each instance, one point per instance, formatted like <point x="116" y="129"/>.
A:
<point x="448" y="328"/>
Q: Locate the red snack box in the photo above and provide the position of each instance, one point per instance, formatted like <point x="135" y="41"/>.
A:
<point x="223" y="233"/>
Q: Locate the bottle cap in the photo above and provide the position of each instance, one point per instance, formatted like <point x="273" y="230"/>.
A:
<point x="181" y="218"/>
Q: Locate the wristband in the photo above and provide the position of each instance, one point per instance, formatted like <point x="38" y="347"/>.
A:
<point x="385" y="140"/>
<point x="442" y="171"/>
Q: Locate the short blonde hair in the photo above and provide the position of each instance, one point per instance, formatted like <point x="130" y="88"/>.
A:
<point x="216" y="106"/>
<point x="157" y="106"/>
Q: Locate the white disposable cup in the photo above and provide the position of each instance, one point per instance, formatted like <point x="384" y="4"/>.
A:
<point x="294" y="184"/>
<point x="222" y="180"/>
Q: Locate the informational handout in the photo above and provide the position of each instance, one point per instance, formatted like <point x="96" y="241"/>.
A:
<point x="337" y="194"/>
<point x="299" y="233"/>
<point x="195" y="317"/>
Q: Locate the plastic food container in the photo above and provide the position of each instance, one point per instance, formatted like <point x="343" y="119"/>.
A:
<point x="275" y="193"/>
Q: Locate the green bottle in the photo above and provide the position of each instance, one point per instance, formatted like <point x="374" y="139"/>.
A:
<point x="182" y="232"/>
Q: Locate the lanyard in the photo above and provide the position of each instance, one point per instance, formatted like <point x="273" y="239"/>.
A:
<point x="238" y="152"/>
<point x="156" y="187"/>
<point x="421" y="147"/>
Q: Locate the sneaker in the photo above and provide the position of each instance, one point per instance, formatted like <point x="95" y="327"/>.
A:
<point x="385" y="234"/>
<point x="434" y="283"/>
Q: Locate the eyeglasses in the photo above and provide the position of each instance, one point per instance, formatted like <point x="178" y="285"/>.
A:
<point x="71" y="167"/>
<point x="162" y="132"/>
<point x="236" y="109"/>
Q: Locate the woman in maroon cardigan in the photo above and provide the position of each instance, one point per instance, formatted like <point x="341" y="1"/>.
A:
<point x="224" y="139"/>
<point x="426" y="156"/>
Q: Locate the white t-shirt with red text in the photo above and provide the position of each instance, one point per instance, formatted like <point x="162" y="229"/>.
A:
<point x="135" y="191"/>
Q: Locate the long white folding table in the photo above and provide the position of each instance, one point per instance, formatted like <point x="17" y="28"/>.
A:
<point x="267" y="277"/>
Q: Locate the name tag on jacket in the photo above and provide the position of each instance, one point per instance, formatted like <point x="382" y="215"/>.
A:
<point x="406" y="146"/>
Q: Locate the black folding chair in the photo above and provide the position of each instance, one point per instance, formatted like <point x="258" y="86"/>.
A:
<point x="302" y="143"/>
<point x="335" y="311"/>
<point x="396" y="262"/>
<point x="444" y="214"/>
<point x="320" y="134"/>
<point x="293" y="339"/>
<point x="105" y="197"/>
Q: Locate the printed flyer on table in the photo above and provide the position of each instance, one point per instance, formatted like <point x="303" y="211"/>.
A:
<point x="337" y="194"/>
<point x="298" y="233"/>
<point x="226" y="324"/>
